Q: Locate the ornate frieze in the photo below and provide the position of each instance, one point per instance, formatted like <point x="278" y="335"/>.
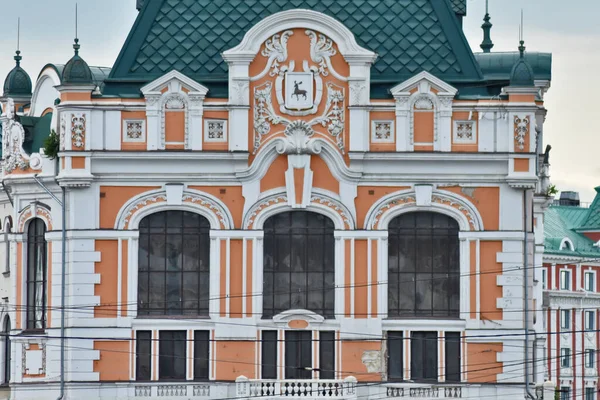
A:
<point x="215" y="130"/>
<point x="134" y="130"/>
<point x="78" y="130"/>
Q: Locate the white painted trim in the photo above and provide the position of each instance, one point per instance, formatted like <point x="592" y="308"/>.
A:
<point x="227" y="276"/>
<point x="119" y="276"/>
<point x="298" y="18"/>
<point x="351" y="286"/>
<point x="156" y="85"/>
<point x="141" y="139"/>
<point x="225" y="137"/>
<point x="478" y="279"/>
<point x="369" y="281"/>
<point x="244" y="274"/>
<point x="236" y="234"/>
<point x="436" y="82"/>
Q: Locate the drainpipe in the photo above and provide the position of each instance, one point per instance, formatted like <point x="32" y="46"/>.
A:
<point x="526" y="283"/>
<point x="62" y="283"/>
<point x="12" y="203"/>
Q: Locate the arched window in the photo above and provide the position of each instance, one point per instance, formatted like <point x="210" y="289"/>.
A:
<point x="37" y="274"/>
<point x="7" y="231"/>
<point x="6" y="361"/>
<point x="299" y="271"/>
<point x="423" y="269"/>
<point x="174" y="264"/>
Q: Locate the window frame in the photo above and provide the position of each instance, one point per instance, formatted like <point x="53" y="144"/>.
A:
<point x="565" y="393"/>
<point x="420" y="369"/>
<point x="412" y="240"/>
<point x="586" y="315"/>
<point x="590" y="358"/>
<point x="544" y="279"/>
<point x="175" y="274"/>
<point x="302" y="343"/>
<point x="565" y="319"/>
<point x="167" y="356"/>
<point x="591" y="280"/>
<point x="565" y="357"/>
<point x="36" y="247"/>
<point x="7" y="245"/>
<point x="453" y="338"/>
<point x="395" y="355"/>
<point x="565" y="279"/>
<point x="590" y="393"/>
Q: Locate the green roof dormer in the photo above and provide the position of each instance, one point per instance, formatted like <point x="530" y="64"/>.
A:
<point x="77" y="71"/>
<point x="18" y="83"/>
<point x="522" y="74"/>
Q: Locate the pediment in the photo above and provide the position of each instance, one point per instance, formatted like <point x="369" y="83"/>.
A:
<point x="174" y="81"/>
<point x="424" y="82"/>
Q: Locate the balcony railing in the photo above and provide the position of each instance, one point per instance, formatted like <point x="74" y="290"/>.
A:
<point x="307" y="389"/>
<point x="425" y="392"/>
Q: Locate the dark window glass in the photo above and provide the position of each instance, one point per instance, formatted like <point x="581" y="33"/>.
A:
<point x="36" y="275"/>
<point x="7" y="351"/>
<point x="143" y="355"/>
<point x="327" y="355"/>
<point x="453" y="359"/>
<point x="299" y="271"/>
<point x="172" y="355"/>
<point x="590" y="393"/>
<point x="174" y="264"/>
<point x="424" y="270"/>
<point x="424" y="356"/>
<point x="298" y="350"/>
<point x="7" y="230"/>
<point x="565" y="393"/>
<point x="269" y="355"/>
<point x="201" y="355"/>
<point x="395" y="355"/>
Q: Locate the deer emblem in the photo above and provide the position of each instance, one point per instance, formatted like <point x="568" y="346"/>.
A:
<point x="297" y="91"/>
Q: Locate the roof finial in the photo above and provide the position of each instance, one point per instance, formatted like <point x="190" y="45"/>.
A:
<point x="487" y="43"/>
<point x="18" y="57"/>
<point x="76" y="46"/>
<point x="521" y="35"/>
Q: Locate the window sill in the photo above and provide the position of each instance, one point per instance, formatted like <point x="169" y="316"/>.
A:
<point x="37" y="332"/>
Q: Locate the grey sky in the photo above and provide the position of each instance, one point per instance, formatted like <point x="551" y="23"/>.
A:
<point x="569" y="32"/>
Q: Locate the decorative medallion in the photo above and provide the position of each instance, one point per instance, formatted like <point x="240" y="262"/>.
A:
<point x="465" y="132"/>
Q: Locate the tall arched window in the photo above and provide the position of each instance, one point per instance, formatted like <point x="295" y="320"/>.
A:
<point x="423" y="269"/>
<point x="37" y="274"/>
<point x="174" y="264"/>
<point x="299" y="271"/>
<point x="7" y="231"/>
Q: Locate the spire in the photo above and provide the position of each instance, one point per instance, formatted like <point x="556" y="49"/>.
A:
<point x="76" y="71"/>
<point x="18" y="83"/>
<point x="487" y="43"/>
<point x="18" y="57"/>
<point x="522" y="74"/>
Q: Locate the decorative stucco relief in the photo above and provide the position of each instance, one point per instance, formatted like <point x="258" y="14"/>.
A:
<point x="13" y="137"/>
<point x="78" y="130"/>
<point x="36" y="211"/>
<point x="521" y="131"/>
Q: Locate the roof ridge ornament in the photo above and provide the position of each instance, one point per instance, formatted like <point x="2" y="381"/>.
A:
<point x="487" y="43"/>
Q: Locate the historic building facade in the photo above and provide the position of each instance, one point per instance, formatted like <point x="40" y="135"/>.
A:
<point x="293" y="199"/>
<point x="570" y="279"/>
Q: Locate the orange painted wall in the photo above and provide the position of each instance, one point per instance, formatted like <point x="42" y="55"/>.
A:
<point x="299" y="184"/>
<point x="114" y="198"/>
<point x="107" y="288"/>
<point x="113" y="364"/>
<point x="352" y="365"/>
<point x="139" y="115"/>
<point x="521" y="98"/>
<point x="78" y="162"/>
<point x="20" y="299"/>
<point x="175" y="129"/>
<point x="364" y="200"/>
<point x="424" y="126"/>
<point x="235" y="358"/>
<point x="521" y="165"/>
<point x="322" y="176"/>
<point x="487" y="201"/>
<point x="361" y="279"/>
<point x="235" y="278"/>
<point x="124" y="275"/>
<point x="482" y="366"/>
<point x="347" y="263"/>
<point x="490" y="270"/>
<point x="375" y="287"/>
<point x="275" y="176"/>
<point x="75" y="96"/>
<point x="232" y="198"/>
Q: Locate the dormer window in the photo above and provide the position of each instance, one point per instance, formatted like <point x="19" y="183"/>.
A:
<point x="567" y="245"/>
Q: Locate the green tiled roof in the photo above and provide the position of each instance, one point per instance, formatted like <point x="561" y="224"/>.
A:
<point x="189" y="35"/>
<point x="561" y="222"/>
<point x="592" y="222"/>
<point x="497" y="66"/>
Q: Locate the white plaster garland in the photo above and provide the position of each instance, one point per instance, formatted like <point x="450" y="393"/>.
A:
<point x="337" y="207"/>
<point x="521" y="131"/>
<point x="13" y="137"/>
<point x="78" y="130"/>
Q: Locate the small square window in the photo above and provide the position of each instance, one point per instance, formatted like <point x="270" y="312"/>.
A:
<point x="215" y="130"/>
<point x="465" y="132"/>
<point x="565" y="280"/>
<point x="565" y="358"/>
<point x="382" y="132"/>
<point x="565" y="319"/>
<point x="590" y="320"/>
<point x="134" y="131"/>
<point x="589" y="281"/>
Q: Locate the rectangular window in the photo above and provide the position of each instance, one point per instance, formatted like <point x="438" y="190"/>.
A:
<point x="565" y="280"/>
<point x="143" y="355"/>
<point x="36" y="275"/>
<point x="565" y="358"/>
<point x="453" y="357"/>
<point x="269" y="355"/>
<point x="327" y="355"/>
<point x="298" y="355"/>
<point x="201" y="354"/>
<point x="565" y="319"/>
<point x="589" y="281"/>
<point x="395" y="344"/>
<point x="424" y="356"/>
<point x="565" y="393"/>
<point x="590" y="356"/>
<point x="172" y="355"/>
<point x="590" y="393"/>
<point x="544" y="279"/>
<point x="590" y="320"/>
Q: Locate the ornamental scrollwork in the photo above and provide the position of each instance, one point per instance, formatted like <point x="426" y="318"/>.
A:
<point x="276" y="50"/>
<point x="13" y="136"/>
<point x="521" y="131"/>
<point x="321" y="49"/>
<point x="78" y="130"/>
